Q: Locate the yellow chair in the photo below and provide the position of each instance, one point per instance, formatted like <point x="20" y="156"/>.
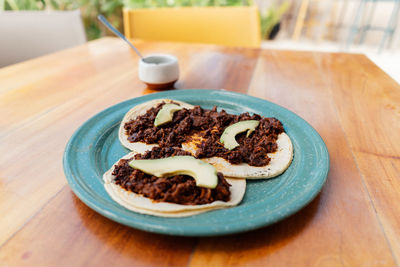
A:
<point x="230" y="26"/>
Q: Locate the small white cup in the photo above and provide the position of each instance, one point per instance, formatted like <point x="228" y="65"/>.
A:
<point x="159" y="71"/>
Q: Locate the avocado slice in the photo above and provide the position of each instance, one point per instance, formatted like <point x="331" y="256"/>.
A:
<point x="228" y="136"/>
<point x="205" y="174"/>
<point x="166" y="114"/>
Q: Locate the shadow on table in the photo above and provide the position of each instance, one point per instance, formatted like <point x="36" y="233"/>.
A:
<point x="135" y="245"/>
<point x="127" y="246"/>
<point x="146" y="90"/>
<point x="270" y="239"/>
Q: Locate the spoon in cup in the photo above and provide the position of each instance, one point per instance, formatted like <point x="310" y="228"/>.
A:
<point x="103" y="20"/>
<point x="159" y="71"/>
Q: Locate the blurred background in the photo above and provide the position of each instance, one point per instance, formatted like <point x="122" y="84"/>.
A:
<point x="360" y="26"/>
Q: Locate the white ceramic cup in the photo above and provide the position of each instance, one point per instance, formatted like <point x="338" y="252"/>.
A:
<point x="159" y="71"/>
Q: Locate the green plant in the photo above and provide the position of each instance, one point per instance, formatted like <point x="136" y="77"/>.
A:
<point x="184" y="3"/>
<point x="271" y="17"/>
<point x="112" y="10"/>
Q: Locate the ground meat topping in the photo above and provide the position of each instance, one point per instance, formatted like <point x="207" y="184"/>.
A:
<point x="209" y="124"/>
<point x="180" y="189"/>
<point x="162" y="152"/>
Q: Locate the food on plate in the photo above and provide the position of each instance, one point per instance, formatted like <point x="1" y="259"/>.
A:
<point x="128" y="139"/>
<point x="263" y="152"/>
<point x="278" y="162"/>
<point x="228" y="137"/>
<point x="166" y="114"/>
<point x="173" y="195"/>
<point x="204" y="174"/>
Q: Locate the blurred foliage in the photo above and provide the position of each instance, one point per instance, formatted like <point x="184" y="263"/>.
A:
<point x="184" y="3"/>
<point x="112" y="10"/>
<point x="271" y="17"/>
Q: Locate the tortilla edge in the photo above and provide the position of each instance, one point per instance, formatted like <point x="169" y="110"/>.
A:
<point x="238" y="190"/>
<point x="141" y="147"/>
<point x="230" y="170"/>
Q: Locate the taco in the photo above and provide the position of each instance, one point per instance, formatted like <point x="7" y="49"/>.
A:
<point x="138" y="111"/>
<point x="263" y="151"/>
<point x="169" y="196"/>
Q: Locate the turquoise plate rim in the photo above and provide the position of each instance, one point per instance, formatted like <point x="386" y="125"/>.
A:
<point x="171" y="226"/>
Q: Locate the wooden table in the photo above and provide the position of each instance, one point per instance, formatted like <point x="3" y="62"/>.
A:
<point x="354" y="221"/>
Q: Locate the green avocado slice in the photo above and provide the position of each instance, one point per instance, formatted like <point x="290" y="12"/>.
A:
<point x="166" y="114"/>
<point x="205" y="174"/>
<point x="230" y="132"/>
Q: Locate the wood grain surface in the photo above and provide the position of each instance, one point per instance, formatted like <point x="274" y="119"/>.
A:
<point x="353" y="105"/>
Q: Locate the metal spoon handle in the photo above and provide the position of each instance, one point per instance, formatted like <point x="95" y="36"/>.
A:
<point x="116" y="32"/>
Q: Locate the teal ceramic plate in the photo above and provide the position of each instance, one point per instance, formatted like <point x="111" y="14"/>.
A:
<point x="95" y="147"/>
